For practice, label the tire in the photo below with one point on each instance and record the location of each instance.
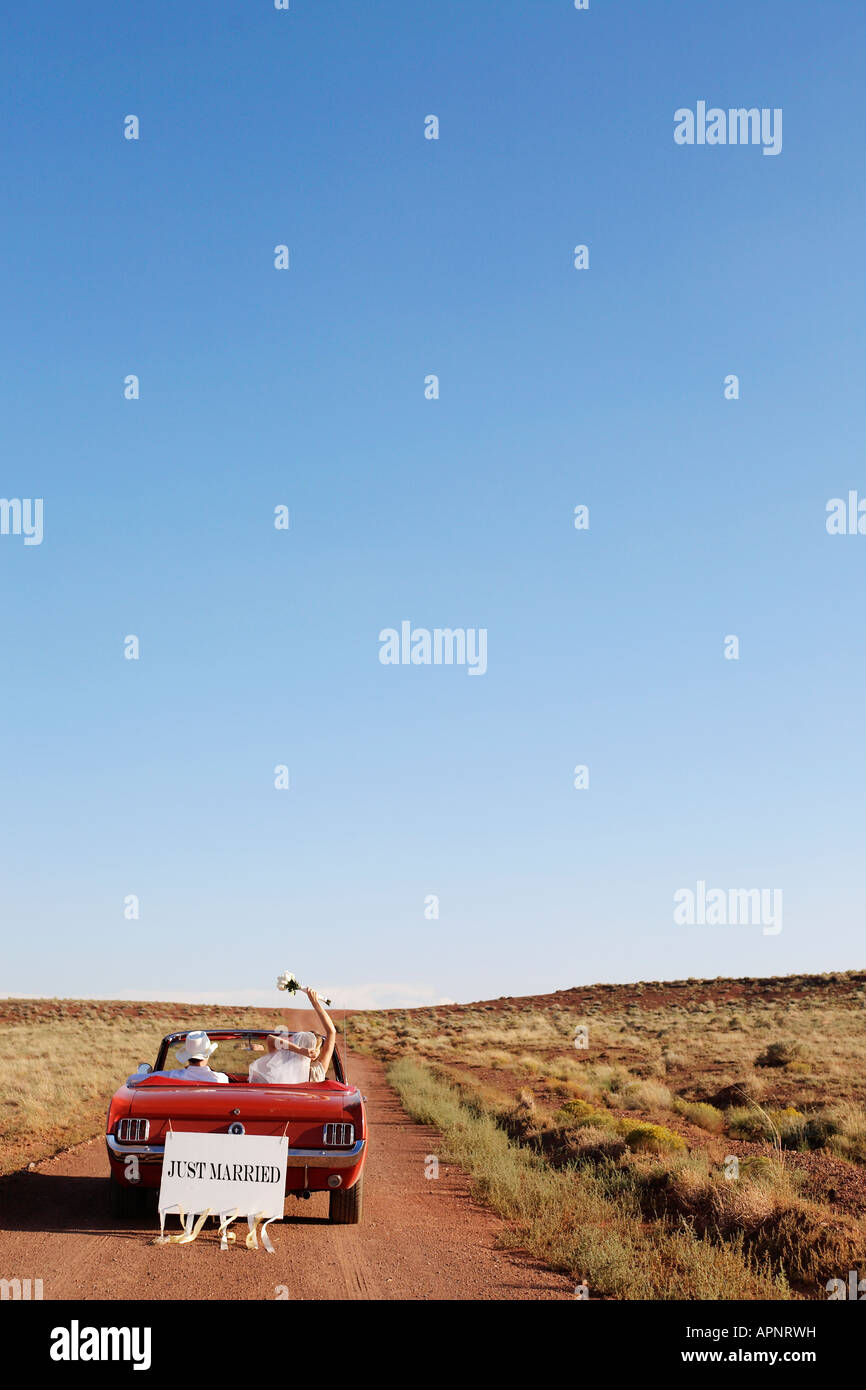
(125, 1201)
(346, 1204)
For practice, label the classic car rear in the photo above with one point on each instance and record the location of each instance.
(324, 1122)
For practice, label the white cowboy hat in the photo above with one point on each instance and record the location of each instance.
(196, 1047)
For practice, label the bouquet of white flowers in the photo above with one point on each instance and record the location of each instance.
(289, 982)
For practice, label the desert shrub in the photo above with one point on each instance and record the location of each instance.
(759, 1168)
(672, 1059)
(644, 1095)
(686, 1190)
(609, 1078)
(780, 1054)
(563, 1068)
(818, 1129)
(579, 1091)
(685, 1186)
(593, 1144)
(737, 1093)
(701, 1114)
(848, 1138)
(529, 1066)
(762, 1211)
(519, 1119)
(580, 1112)
(653, 1139)
(792, 1127)
(853, 1148)
(745, 1122)
(783, 1126)
(498, 1059)
(809, 1246)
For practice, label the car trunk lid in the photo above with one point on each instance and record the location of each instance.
(299, 1111)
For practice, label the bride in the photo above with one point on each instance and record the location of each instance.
(293, 1058)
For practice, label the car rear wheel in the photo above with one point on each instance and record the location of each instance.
(346, 1204)
(125, 1201)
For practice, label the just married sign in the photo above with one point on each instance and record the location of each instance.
(226, 1175)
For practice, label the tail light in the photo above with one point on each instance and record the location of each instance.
(338, 1136)
(132, 1131)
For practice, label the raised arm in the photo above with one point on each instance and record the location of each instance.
(280, 1042)
(327, 1052)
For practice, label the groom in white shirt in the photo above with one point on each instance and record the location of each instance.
(197, 1051)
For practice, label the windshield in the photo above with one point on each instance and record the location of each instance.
(234, 1055)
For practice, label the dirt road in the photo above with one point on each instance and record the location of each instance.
(419, 1239)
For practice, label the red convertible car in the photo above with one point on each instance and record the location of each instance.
(327, 1127)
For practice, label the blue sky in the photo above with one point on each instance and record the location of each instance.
(305, 387)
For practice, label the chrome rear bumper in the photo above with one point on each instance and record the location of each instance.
(297, 1158)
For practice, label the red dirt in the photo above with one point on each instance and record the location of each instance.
(840, 987)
